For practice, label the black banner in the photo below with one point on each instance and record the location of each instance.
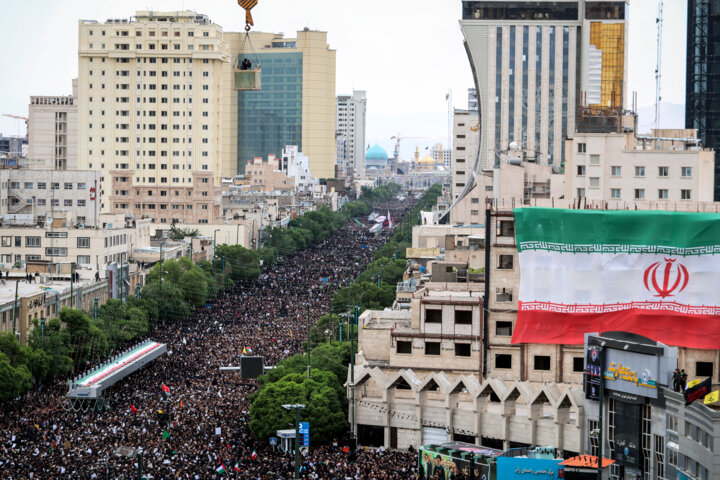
(628, 427)
(697, 392)
(593, 370)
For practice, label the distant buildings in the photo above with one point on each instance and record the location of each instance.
(350, 121)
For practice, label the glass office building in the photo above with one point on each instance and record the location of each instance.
(270, 118)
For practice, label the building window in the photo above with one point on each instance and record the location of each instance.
(594, 182)
(595, 159)
(615, 193)
(684, 194)
(639, 171)
(581, 170)
(68, 186)
(578, 364)
(503, 329)
(703, 369)
(639, 193)
(83, 259)
(662, 194)
(56, 252)
(615, 171)
(581, 193)
(582, 148)
(474, 213)
(503, 295)
(594, 442)
(659, 456)
(18, 241)
(506, 228)
(83, 242)
(503, 360)
(433, 316)
(32, 241)
(505, 262)
(404, 347)
(432, 348)
(662, 171)
(541, 362)
(463, 317)
(68, 202)
(462, 349)
(686, 172)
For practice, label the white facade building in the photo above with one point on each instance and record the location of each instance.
(297, 166)
(351, 112)
(620, 167)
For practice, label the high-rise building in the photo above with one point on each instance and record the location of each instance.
(534, 62)
(52, 132)
(295, 105)
(465, 147)
(472, 100)
(702, 85)
(350, 122)
(442, 155)
(150, 95)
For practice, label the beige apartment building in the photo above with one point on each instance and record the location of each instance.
(466, 141)
(150, 92)
(52, 131)
(664, 168)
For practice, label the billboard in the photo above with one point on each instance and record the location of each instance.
(632, 372)
(519, 468)
(593, 370)
(447, 467)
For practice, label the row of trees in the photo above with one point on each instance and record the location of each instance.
(323, 393)
(67, 344)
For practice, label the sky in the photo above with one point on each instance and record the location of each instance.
(406, 54)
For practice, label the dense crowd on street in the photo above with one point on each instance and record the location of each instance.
(204, 421)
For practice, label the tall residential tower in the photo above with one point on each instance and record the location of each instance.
(149, 115)
(350, 123)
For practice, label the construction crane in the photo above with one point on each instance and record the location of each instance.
(397, 138)
(17, 117)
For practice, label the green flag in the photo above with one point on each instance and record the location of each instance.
(356, 221)
(165, 435)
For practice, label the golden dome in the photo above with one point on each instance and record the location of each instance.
(427, 160)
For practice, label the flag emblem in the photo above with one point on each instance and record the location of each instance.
(678, 276)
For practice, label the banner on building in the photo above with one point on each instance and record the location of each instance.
(653, 273)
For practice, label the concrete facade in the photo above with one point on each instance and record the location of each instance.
(44, 194)
(52, 131)
(466, 141)
(621, 167)
(150, 103)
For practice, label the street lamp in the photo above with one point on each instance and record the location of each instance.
(297, 407)
(215, 236)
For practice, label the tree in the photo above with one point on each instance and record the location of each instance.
(121, 322)
(55, 345)
(14, 381)
(194, 287)
(168, 299)
(87, 342)
(323, 407)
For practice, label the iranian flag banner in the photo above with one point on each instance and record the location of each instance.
(653, 273)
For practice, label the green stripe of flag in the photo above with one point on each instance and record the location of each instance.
(618, 227)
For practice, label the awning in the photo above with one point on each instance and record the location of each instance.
(589, 461)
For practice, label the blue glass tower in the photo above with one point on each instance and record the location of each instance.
(270, 118)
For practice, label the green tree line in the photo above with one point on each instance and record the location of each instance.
(70, 342)
(324, 394)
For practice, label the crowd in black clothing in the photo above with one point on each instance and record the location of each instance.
(207, 409)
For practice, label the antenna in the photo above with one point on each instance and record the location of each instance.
(448, 97)
(658, 68)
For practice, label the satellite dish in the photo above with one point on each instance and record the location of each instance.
(513, 145)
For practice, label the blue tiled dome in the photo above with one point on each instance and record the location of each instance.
(376, 152)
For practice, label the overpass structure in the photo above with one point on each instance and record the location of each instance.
(91, 385)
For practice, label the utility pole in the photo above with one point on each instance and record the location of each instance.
(600, 415)
(307, 327)
(17, 284)
(72, 281)
(296, 407)
(352, 378)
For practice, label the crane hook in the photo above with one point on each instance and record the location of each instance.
(248, 5)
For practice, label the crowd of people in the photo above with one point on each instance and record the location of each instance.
(202, 423)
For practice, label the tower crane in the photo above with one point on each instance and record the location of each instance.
(17, 117)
